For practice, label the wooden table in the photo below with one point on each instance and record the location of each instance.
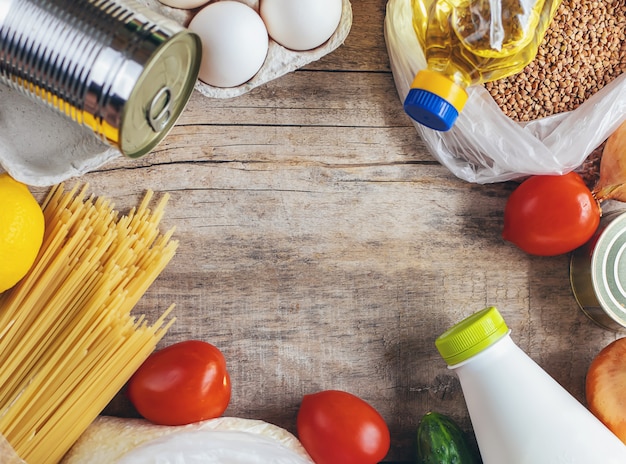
(323, 247)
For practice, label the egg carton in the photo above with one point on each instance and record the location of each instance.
(39, 147)
(279, 61)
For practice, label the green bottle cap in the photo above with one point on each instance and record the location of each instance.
(471, 336)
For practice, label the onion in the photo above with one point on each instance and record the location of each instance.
(612, 182)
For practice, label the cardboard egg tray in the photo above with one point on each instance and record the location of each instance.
(279, 61)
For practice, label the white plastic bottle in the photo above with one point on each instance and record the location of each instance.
(519, 413)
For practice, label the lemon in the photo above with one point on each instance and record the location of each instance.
(21, 231)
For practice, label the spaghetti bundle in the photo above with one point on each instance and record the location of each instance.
(68, 341)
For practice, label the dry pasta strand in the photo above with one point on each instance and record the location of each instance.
(68, 340)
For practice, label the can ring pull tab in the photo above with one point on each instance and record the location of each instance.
(159, 112)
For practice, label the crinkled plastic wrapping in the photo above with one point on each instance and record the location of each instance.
(213, 447)
(485, 145)
(7, 453)
(225, 440)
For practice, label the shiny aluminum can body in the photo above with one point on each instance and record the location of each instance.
(113, 66)
(598, 273)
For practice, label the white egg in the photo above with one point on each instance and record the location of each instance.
(301, 24)
(184, 4)
(234, 43)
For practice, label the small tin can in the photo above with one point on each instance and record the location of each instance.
(116, 67)
(598, 273)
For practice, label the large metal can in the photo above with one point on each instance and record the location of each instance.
(116, 67)
(598, 273)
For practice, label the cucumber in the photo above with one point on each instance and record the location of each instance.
(441, 441)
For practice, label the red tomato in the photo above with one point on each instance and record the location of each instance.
(551, 215)
(183, 383)
(338, 427)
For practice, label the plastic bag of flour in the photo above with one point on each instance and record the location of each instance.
(485, 145)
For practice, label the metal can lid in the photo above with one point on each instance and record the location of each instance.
(160, 94)
(608, 269)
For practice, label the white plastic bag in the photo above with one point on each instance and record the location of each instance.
(485, 145)
(231, 440)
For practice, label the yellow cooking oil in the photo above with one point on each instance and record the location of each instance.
(469, 42)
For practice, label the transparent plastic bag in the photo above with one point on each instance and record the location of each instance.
(7, 453)
(222, 440)
(485, 145)
(213, 447)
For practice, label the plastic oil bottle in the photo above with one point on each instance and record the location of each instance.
(519, 413)
(468, 42)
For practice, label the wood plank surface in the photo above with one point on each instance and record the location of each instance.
(322, 247)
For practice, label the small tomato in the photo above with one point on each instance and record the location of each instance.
(183, 383)
(551, 215)
(338, 427)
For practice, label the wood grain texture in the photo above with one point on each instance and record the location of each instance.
(322, 247)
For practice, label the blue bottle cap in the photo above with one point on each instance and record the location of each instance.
(430, 110)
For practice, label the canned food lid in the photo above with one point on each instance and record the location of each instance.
(608, 269)
(160, 95)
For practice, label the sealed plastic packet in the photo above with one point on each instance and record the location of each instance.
(485, 145)
(7, 453)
